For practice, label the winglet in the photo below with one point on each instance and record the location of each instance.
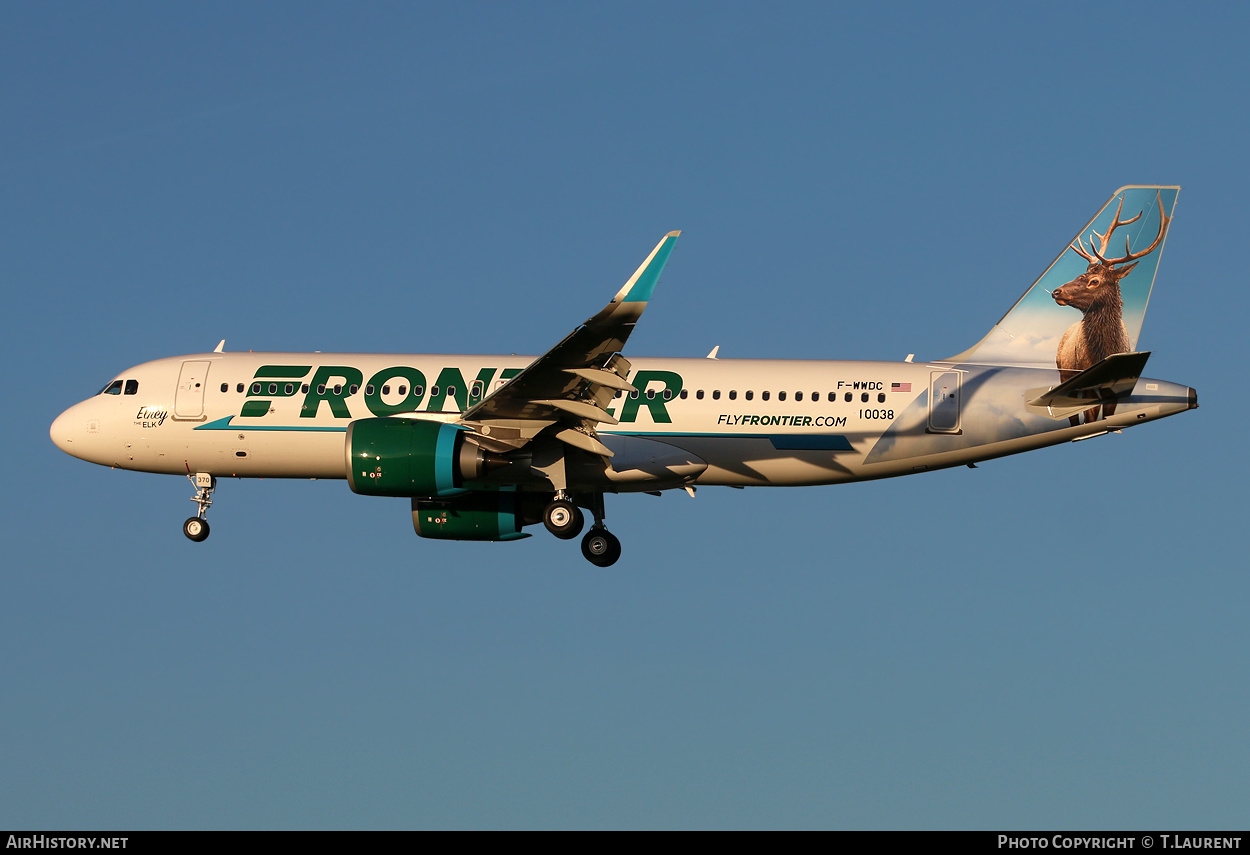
(639, 287)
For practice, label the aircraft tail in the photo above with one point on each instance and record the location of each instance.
(1086, 306)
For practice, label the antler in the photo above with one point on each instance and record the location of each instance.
(1105, 239)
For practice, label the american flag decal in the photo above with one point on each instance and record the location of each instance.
(900, 387)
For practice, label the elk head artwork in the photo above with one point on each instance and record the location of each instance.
(1096, 292)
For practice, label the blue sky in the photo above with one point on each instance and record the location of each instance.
(1051, 640)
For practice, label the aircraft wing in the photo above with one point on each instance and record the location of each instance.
(571, 385)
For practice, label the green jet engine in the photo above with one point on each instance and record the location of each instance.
(412, 457)
(493, 515)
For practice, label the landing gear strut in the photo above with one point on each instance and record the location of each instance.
(600, 546)
(196, 527)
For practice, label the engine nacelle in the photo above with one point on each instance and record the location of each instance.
(494, 515)
(410, 457)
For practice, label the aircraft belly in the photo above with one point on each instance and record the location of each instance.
(756, 461)
(180, 448)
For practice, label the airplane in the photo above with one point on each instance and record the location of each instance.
(484, 446)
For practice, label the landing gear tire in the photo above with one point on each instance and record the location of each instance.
(196, 529)
(601, 547)
(563, 519)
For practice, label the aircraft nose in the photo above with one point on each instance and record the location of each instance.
(60, 432)
(66, 431)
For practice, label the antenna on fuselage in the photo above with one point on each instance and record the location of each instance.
(221, 346)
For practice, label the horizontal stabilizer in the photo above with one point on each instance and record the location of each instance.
(1113, 377)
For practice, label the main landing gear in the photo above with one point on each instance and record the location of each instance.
(196, 528)
(565, 520)
(600, 546)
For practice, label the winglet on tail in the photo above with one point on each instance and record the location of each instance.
(1086, 306)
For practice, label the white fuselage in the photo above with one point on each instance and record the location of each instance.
(751, 422)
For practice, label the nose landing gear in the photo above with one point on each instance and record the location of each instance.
(196, 527)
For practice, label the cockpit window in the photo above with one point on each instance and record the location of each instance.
(114, 388)
(132, 387)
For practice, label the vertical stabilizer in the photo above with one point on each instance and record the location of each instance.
(1090, 302)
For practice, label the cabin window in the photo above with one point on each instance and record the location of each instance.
(225, 387)
(321, 389)
(369, 389)
(881, 397)
(290, 388)
(239, 388)
(716, 394)
(848, 397)
(683, 395)
(433, 391)
(750, 395)
(798, 396)
(338, 388)
(651, 393)
(733, 394)
(353, 389)
(668, 394)
(304, 388)
(273, 388)
(255, 388)
(386, 388)
(781, 396)
(618, 394)
(114, 388)
(633, 394)
(864, 397)
(699, 395)
(764, 395)
(451, 392)
(833, 396)
(476, 391)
